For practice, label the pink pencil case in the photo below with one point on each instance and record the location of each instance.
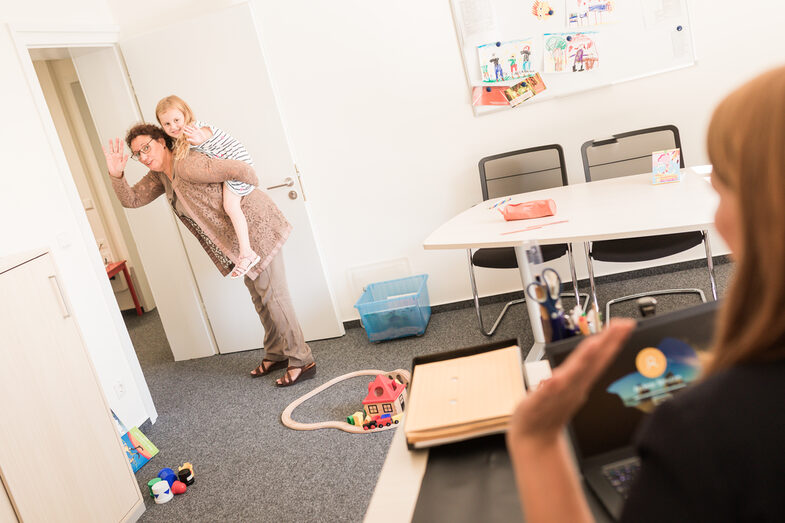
(527, 210)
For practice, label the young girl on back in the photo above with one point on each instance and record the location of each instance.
(178, 121)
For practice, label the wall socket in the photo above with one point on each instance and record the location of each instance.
(119, 389)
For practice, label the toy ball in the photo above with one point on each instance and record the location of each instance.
(162, 492)
(178, 487)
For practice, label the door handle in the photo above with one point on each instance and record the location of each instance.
(287, 182)
(59, 294)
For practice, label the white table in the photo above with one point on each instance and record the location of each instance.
(624, 207)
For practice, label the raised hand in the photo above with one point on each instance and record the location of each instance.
(543, 413)
(115, 158)
(194, 135)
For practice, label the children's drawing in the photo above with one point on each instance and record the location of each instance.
(570, 52)
(542, 10)
(665, 166)
(501, 62)
(590, 12)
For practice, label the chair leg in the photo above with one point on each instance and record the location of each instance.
(573, 275)
(651, 293)
(710, 263)
(593, 288)
(477, 301)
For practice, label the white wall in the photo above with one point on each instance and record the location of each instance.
(375, 101)
(38, 209)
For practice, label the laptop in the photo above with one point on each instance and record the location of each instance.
(658, 361)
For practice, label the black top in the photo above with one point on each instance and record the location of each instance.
(716, 452)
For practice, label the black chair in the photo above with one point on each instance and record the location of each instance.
(513, 173)
(625, 154)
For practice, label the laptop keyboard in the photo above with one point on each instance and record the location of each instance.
(621, 474)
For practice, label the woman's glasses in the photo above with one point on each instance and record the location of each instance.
(145, 149)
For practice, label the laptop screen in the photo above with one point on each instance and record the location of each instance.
(659, 360)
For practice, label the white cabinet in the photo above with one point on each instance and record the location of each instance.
(60, 454)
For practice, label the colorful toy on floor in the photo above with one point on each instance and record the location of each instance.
(186, 476)
(178, 487)
(167, 484)
(355, 419)
(167, 475)
(377, 422)
(383, 405)
(384, 398)
(150, 485)
(186, 465)
(162, 492)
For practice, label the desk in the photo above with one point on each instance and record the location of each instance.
(398, 486)
(115, 267)
(624, 207)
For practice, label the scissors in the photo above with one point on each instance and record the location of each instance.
(546, 292)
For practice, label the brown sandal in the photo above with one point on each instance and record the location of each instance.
(267, 366)
(306, 372)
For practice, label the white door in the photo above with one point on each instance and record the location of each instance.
(216, 64)
(154, 228)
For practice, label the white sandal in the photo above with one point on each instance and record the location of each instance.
(239, 270)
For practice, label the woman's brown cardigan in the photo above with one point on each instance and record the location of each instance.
(198, 185)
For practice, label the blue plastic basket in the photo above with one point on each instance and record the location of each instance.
(396, 308)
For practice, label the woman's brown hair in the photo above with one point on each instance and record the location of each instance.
(147, 129)
(746, 145)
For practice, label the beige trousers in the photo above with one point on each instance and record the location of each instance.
(283, 337)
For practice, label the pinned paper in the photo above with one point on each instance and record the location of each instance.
(478, 18)
(571, 52)
(542, 10)
(582, 13)
(505, 61)
(658, 12)
(490, 95)
(524, 90)
(665, 166)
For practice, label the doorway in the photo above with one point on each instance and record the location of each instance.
(79, 139)
(201, 313)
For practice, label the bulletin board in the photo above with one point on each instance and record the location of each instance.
(519, 52)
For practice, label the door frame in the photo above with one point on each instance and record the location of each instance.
(26, 37)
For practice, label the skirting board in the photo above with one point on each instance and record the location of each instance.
(631, 275)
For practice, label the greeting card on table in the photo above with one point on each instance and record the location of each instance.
(665, 166)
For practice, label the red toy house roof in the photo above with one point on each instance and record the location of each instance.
(383, 390)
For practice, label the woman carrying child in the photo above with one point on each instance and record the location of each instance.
(194, 187)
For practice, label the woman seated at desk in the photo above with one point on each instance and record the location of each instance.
(715, 452)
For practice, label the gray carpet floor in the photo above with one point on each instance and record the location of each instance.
(249, 467)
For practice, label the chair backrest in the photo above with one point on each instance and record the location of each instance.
(523, 170)
(627, 153)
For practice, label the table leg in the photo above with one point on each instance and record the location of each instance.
(131, 288)
(538, 349)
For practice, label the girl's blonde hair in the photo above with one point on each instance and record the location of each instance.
(181, 145)
(746, 145)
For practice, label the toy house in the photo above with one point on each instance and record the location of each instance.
(385, 396)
